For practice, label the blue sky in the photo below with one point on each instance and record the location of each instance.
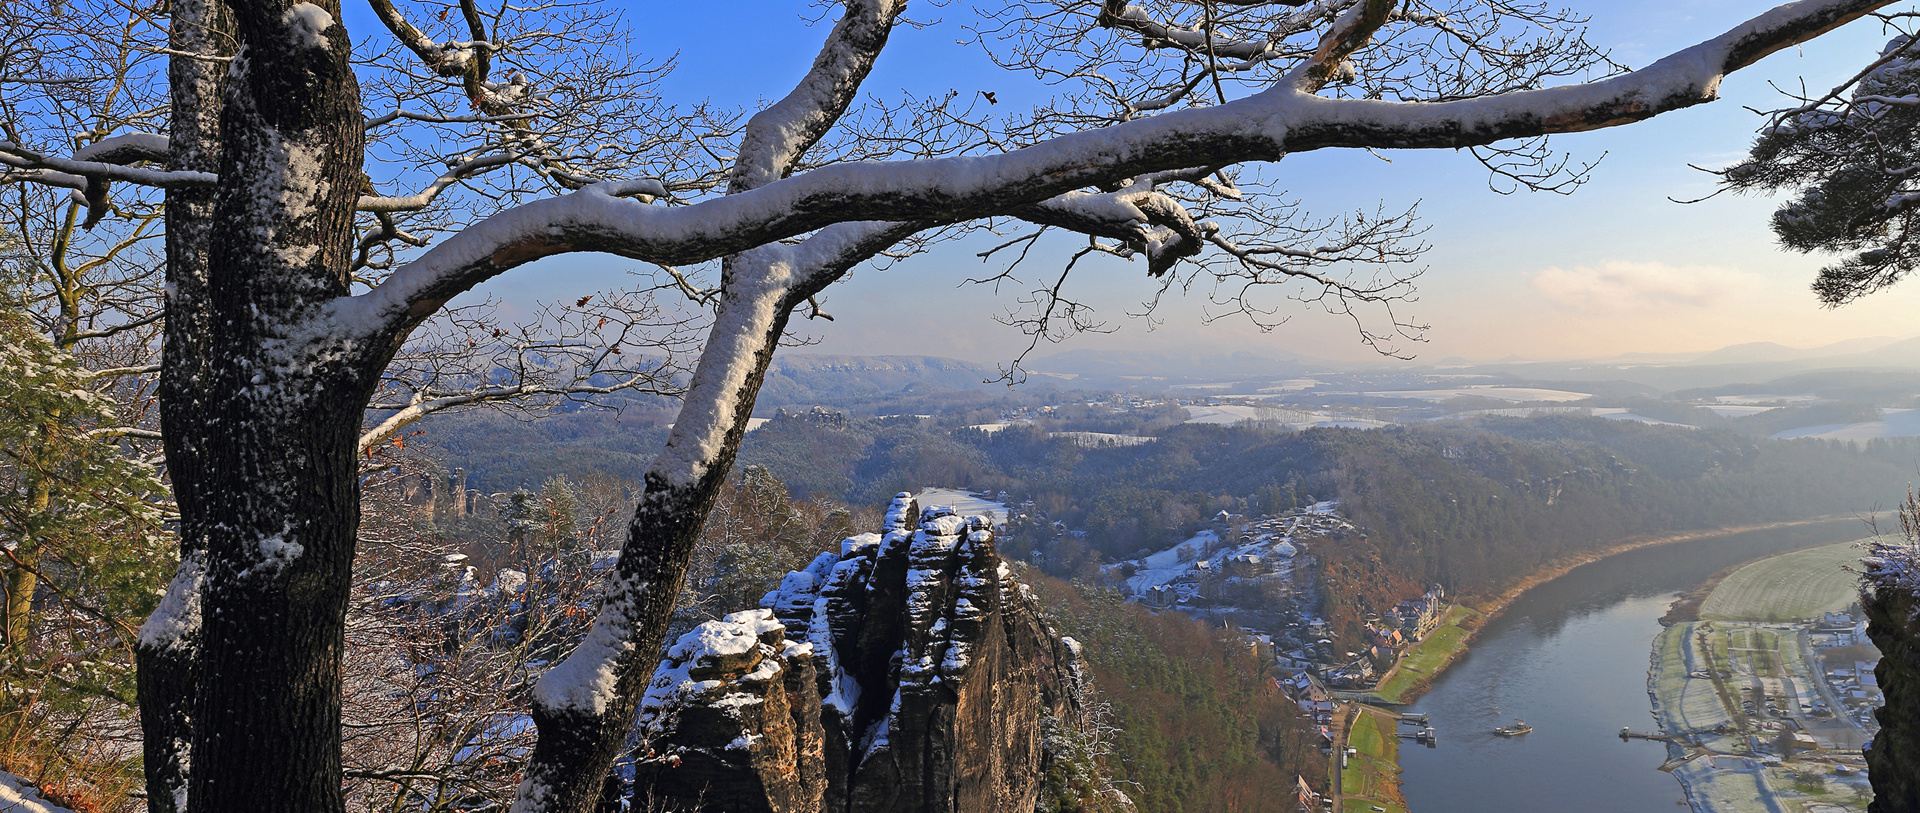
(1615, 267)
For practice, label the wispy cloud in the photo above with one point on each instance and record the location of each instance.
(1617, 287)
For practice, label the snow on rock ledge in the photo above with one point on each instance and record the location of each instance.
(731, 719)
(909, 672)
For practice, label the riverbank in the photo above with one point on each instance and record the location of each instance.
(1427, 659)
(1744, 701)
(1369, 778)
(1396, 690)
(1571, 660)
(1733, 756)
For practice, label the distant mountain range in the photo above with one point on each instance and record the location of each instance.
(1757, 352)
(803, 378)
(1750, 362)
(1740, 363)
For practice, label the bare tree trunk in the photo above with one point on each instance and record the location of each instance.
(267, 482)
(168, 646)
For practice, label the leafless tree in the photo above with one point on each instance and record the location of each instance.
(296, 268)
(434, 707)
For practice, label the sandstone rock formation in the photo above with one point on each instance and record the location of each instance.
(1893, 622)
(739, 700)
(908, 672)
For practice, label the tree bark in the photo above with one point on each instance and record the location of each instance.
(21, 584)
(1893, 762)
(166, 651)
(265, 423)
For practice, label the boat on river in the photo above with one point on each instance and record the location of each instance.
(1519, 727)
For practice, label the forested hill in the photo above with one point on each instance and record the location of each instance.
(806, 379)
(1466, 505)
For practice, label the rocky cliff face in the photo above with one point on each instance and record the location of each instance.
(909, 672)
(1893, 761)
(738, 699)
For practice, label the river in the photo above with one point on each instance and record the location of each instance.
(1570, 658)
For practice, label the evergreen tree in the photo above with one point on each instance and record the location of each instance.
(80, 529)
(1851, 157)
(558, 512)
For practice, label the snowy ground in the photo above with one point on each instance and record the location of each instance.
(1686, 700)
(1893, 423)
(990, 428)
(1096, 439)
(1515, 412)
(16, 796)
(1166, 565)
(1768, 400)
(1274, 545)
(1619, 414)
(1230, 413)
(964, 503)
(1514, 394)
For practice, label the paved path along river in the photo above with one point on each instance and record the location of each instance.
(1570, 658)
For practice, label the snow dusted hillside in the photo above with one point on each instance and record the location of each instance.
(1254, 568)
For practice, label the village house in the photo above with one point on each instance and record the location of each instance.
(1418, 616)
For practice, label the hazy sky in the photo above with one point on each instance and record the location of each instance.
(1615, 267)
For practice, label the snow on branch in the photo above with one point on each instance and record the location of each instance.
(776, 137)
(1264, 126)
(1847, 157)
(425, 197)
(1892, 562)
(18, 157)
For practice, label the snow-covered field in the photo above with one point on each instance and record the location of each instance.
(1893, 423)
(1773, 400)
(1736, 411)
(1514, 394)
(1619, 414)
(1103, 438)
(1229, 413)
(1515, 412)
(1166, 565)
(964, 503)
(1235, 413)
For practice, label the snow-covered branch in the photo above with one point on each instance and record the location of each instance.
(425, 197)
(1349, 34)
(123, 432)
(776, 137)
(1265, 126)
(406, 414)
(19, 157)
